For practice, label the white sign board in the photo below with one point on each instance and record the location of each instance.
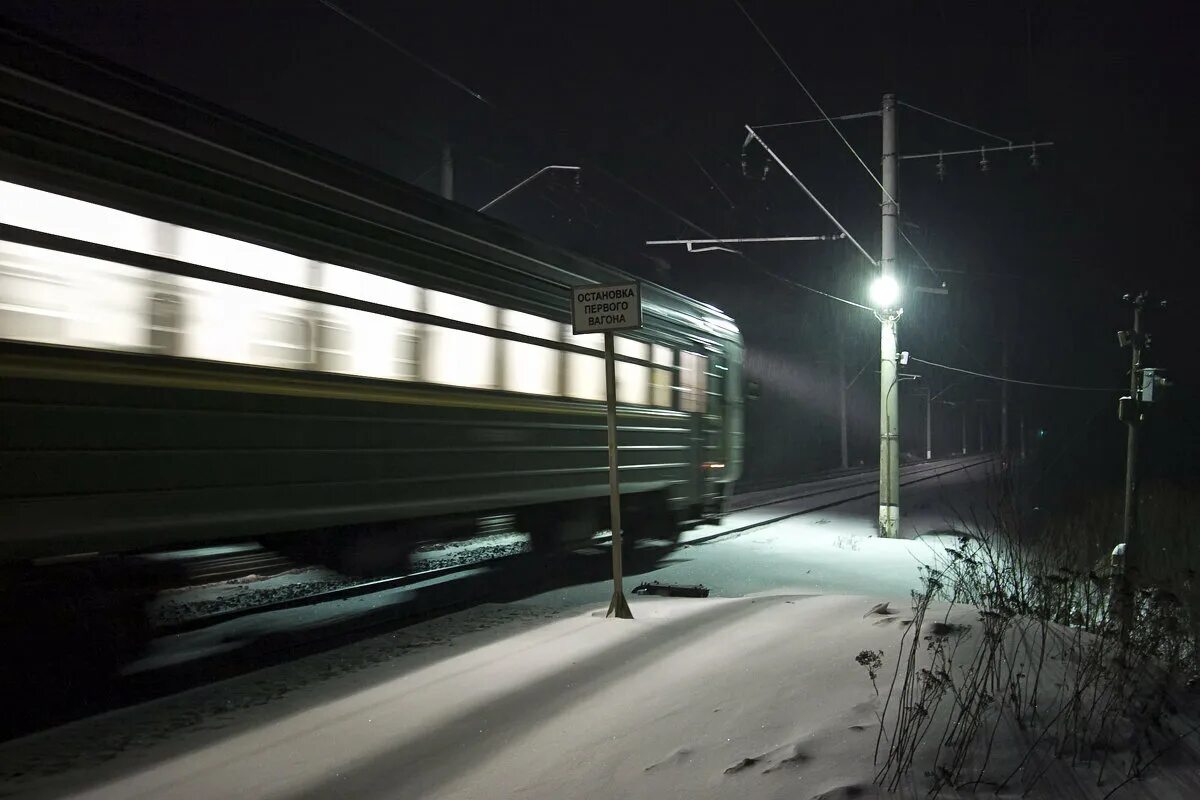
(609, 307)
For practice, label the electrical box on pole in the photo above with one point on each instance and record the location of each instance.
(1152, 382)
(604, 309)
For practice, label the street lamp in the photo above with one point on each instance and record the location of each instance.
(885, 293)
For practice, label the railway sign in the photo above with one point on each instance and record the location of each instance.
(604, 309)
(610, 307)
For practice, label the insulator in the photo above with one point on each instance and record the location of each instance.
(983, 160)
(941, 167)
(1034, 161)
(746, 168)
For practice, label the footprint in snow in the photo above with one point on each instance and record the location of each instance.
(743, 764)
(678, 756)
(795, 758)
(881, 609)
(847, 792)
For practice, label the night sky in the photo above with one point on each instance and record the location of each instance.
(650, 98)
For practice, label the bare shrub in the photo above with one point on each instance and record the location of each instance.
(1045, 663)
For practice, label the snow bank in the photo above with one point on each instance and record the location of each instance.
(755, 697)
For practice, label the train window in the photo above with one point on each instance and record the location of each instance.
(110, 305)
(166, 323)
(633, 380)
(662, 380)
(529, 368)
(229, 323)
(282, 340)
(59, 298)
(455, 357)
(406, 355)
(32, 295)
(334, 343)
(692, 382)
(362, 343)
(585, 374)
(378, 346)
(65, 216)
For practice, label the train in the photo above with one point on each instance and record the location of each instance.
(211, 331)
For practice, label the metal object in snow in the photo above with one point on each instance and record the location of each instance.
(672, 590)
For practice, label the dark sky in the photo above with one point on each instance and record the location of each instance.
(650, 98)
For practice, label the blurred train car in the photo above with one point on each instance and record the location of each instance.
(210, 331)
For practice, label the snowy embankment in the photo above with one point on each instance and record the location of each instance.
(754, 697)
(752, 693)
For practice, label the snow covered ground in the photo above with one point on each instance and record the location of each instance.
(750, 693)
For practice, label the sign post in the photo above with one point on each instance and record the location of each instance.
(604, 309)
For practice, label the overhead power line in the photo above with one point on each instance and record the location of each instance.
(827, 118)
(920, 255)
(812, 196)
(1014, 380)
(712, 181)
(806, 287)
(859, 115)
(955, 122)
(765, 270)
(341, 12)
(592, 166)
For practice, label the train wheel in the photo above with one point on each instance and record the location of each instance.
(558, 527)
(649, 516)
(370, 550)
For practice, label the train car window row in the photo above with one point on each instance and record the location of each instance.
(52, 297)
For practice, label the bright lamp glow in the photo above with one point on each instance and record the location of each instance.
(885, 292)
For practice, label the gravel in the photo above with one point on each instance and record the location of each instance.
(187, 603)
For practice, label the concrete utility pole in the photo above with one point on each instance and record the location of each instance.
(964, 427)
(1004, 397)
(447, 172)
(842, 391)
(981, 430)
(928, 425)
(1144, 383)
(1131, 415)
(885, 290)
(889, 397)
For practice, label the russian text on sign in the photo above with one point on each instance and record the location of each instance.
(596, 309)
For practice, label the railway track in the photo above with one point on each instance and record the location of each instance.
(218, 568)
(235, 562)
(366, 587)
(206, 654)
(245, 561)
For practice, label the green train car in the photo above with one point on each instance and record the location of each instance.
(210, 331)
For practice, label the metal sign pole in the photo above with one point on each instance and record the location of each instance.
(617, 607)
(604, 309)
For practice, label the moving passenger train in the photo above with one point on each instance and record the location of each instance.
(210, 331)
